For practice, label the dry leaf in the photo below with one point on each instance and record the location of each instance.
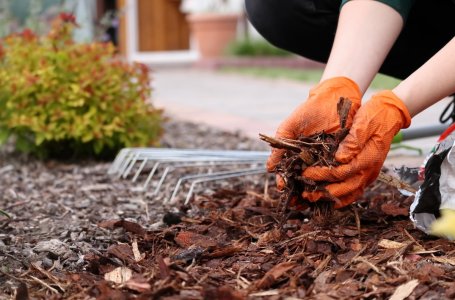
(388, 244)
(119, 275)
(404, 290)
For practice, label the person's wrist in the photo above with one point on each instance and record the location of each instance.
(388, 97)
(405, 94)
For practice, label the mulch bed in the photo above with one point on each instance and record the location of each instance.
(75, 232)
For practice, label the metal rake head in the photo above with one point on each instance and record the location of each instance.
(230, 163)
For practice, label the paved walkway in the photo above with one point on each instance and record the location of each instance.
(251, 105)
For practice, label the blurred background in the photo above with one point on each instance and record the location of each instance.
(149, 31)
(208, 64)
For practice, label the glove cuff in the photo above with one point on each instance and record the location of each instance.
(389, 97)
(343, 86)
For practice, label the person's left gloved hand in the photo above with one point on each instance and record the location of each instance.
(363, 151)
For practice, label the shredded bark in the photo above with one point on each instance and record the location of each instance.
(76, 233)
(315, 150)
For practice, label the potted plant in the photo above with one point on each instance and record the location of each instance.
(213, 23)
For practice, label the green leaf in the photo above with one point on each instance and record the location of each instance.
(4, 213)
(69, 99)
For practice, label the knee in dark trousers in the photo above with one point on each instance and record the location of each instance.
(304, 27)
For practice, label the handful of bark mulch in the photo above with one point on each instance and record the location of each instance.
(315, 150)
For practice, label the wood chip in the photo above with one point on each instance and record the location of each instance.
(404, 290)
(137, 254)
(22, 292)
(96, 187)
(119, 275)
(138, 286)
(388, 244)
(274, 273)
(396, 182)
(444, 260)
(265, 293)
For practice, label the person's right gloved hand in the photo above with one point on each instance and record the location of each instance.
(316, 114)
(363, 151)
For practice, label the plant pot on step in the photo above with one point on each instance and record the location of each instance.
(213, 32)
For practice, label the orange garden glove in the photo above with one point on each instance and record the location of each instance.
(363, 151)
(316, 114)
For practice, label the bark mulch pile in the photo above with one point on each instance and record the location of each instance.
(78, 234)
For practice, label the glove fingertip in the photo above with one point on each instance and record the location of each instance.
(274, 159)
(347, 150)
(315, 173)
(346, 194)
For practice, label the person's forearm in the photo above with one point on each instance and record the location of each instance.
(366, 32)
(431, 82)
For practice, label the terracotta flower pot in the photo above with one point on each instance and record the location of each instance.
(213, 32)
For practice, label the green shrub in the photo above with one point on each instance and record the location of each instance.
(61, 99)
(251, 47)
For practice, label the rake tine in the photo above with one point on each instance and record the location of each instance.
(138, 172)
(196, 176)
(171, 159)
(227, 176)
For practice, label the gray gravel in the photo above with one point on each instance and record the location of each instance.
(55, 206)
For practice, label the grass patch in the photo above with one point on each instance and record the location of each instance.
(254, 47)
(380, 82)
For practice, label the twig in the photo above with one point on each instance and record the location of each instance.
(48, 275)
(321, 266)
(9, 275)
(45, 284)
(300, 237)
(355, 257)
(413, 239)
(278, 143)
(371, 265)
(395, 182)
(402, 250)
(303, 143)
(15, 205)
(343, 108)
(357, 220)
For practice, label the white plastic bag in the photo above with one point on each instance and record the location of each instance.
(438, 188)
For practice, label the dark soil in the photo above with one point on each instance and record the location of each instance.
(75, 231)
